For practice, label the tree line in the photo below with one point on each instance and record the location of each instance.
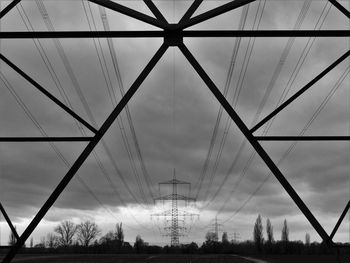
(68, 237)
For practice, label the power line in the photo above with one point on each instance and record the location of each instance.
(267, 93)
(78, 90)
(292, 146)
(113, 98)
(67, 101)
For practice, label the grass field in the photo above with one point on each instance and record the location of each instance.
(129, 258)
(305, 259)
(174, 259)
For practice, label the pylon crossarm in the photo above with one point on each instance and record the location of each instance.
(258, 148)
(131, 13)
(172, 196)
(85, 154)
(340, 7)
(8, 220)
(9, 8)
(301, 91)
(341, 218)
(47, 94)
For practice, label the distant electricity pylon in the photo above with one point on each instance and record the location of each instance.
(174, 215)
(215, 228)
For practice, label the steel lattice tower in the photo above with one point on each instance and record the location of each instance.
(175, 230)
(173, 35)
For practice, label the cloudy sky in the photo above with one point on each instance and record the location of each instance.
(172, 117)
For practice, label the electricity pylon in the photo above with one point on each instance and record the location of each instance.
(215, 228)
(175, 215)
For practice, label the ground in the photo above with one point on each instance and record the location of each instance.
(176, 259)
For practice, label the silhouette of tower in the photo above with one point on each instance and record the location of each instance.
(215, 228)
(175, 215)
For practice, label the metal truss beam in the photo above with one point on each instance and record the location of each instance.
(213, 13)
(194, 6)
(254, 142)
(155, 10)
(46, 139)
(300, 92)
(186, 33)
(131, 13)
(9, 8)
(13, 229)
(341, 218)
(47, 94)
(173, 35)
(340, 8)
(85, 154)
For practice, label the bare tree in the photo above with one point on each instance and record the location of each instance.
(139, 244)
(52, 240)
(86, 232)
(307, 239)
(12, 238)
(258, 234)
(210, 237)
(119, 233)
(224, 238)
(66, 231)
(269, 231)
(285, 232)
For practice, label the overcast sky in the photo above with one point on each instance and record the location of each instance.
(173, 115)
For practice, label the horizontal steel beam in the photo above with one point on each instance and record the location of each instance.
(302, 138)
(45, 139)
(186, 33)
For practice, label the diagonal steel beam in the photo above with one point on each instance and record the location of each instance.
(300, 92)
(341, 218)
(131, 13)
(256, 145)
(9, 8)
(214, 12)
(340, 7)
(13, 229)
(154, 9)
(47, 94)
(85, 154)
(190, 11)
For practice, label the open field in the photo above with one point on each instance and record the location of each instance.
(305, 259)
(175, 259)
(129, 258)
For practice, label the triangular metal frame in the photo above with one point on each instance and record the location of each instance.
(173, 35)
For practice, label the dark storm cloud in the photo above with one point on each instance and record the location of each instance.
(174, 132)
